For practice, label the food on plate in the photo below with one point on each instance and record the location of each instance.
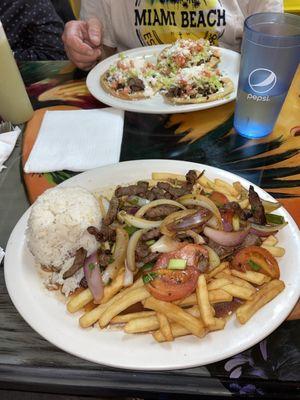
(57, 234)
(173, 255)
(196, 85)
(186, 53)
(185, 73)
(131, 79)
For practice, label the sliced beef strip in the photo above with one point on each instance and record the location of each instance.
(152, 234)
(174, 91)
(236, 208)
(136, 84)
(79, 260)
(222, 251)
(104, 234)
(83, 283)
(175, 192)
(251, 240)
(151, 258)
(141, 251)
(257, 209)
(203, 263)
(156, 193)
(191, 177)
(112, 211)
(140, 188)
(156, 213)
(104, 258)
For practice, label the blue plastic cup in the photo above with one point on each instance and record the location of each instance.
(270, 57)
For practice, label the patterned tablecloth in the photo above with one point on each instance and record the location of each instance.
(273, 163)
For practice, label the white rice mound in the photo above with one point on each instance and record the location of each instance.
(58, 222)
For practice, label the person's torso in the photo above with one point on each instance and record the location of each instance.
(150, 22)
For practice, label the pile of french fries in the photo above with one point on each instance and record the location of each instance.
(195, 314)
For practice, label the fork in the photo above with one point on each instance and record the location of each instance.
(6, 127)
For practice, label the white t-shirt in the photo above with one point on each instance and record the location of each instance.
(134, 23)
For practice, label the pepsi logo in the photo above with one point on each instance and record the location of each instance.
(262, 80)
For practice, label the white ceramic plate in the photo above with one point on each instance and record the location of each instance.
(48, 316)
(229, 66)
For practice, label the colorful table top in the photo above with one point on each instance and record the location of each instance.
(272, 367)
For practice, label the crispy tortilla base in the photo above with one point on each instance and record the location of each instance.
(228, 88)
(119, 95)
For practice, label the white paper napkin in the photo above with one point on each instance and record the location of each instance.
(77, 140)
(7, 143)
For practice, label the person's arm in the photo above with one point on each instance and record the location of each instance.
(257, 6)
(40, 34)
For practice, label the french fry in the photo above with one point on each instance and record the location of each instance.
(218, 283)
(115, 286)
(177, 331)
(267, 292)
(251, 276)
(159, 176)
(219, 324)
(276, 251)
(236, 280)
(139, 325)
(165, 327)
(79, 301)
(238, 291)
(203, 302)
(219, 296)
(124, 318)
(219, 268)
(244, 203)
(132, 297)
(204, 181)
(226, 187)
(176, 314)
(194, 311)
(270, 241)
(190, 300)
(93, 316)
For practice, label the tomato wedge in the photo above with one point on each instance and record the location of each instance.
(171, 285)
(218, 198)
(255, 258)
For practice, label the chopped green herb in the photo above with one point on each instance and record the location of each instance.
(254, 265)
(177, 263)
(91, 266)
(111, 260)
(150, 242)
(274, 219)
(150, 276)
(130, 229)
(147, 267)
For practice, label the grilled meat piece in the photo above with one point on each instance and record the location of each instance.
(139, 189)
(156, 193)
(104, 258)
(152, 234)
(102, 235)
(141, 251)
(222, 251)
(174, 91)
(136, 84)
(151, 258)
(257, 209)
(79, 260)
(236, 208)
(175, 192)
(251, 240)
(155, 213)
(112, 211)
(191, 177)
